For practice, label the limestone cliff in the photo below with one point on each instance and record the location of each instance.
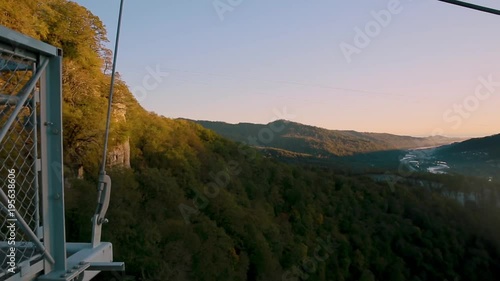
(119, 150)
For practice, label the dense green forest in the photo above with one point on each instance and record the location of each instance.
(196, 206)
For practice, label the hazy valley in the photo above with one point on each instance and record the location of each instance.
(212, 201)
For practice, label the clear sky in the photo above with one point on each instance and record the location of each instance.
(415, 70)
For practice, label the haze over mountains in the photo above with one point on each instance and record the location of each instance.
(298, 143)
(190, 204)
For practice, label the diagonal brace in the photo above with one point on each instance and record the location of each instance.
(22, 98)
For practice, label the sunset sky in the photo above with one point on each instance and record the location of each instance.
(423, 70)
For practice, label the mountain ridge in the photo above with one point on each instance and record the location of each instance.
(193, 205)
(316, 141)
(477, 156)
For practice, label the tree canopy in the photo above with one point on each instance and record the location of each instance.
(196, 206)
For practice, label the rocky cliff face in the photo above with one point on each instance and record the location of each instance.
(119, 154)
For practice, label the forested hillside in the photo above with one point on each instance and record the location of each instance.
(196, 206)
(318, 142)
(486, 148)
(477, 157)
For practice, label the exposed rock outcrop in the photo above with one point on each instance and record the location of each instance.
(119, 154)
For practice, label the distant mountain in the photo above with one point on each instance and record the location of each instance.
(295, 139)
(479, 156)
(477, 148)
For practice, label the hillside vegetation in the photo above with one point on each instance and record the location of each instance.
(476, 157)
(196, 206)
(488, 147)
(317, 142)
